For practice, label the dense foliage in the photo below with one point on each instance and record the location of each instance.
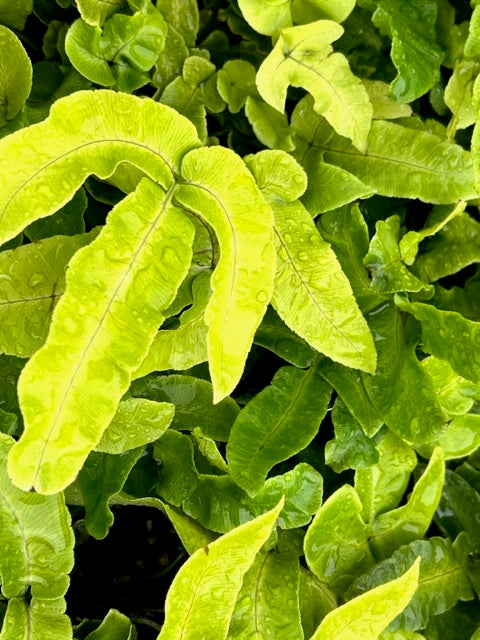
(239, 304)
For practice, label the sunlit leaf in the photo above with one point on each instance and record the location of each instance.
(15, 74)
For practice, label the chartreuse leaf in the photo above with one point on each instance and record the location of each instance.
(410, 522)
(382, 485)
(461, 438)
(336, 544)
(459, 95)
(276, 15)
(115, 626)
(120, 54)
(417, 57)
(33, 281)
(384, 107)
(100, 333)
(351, 448)
(401, 390)
(367, 615)
(79, 144)
(185, 346)
(312, 295)
(37, 543)
(101, 477)
(14, 14)
(270, 126)
(472, 45)
(454, 247)
(442, 583)
(456, 395)
(302, 57)
(235, 82)
(265, 431)
(268, 605)
(437, 219)
(42, 619)
(95, 12)
(384, 261)
(202, 596)
(136, 423)
(193, 400)
(407, 163)
(449, 336)
(15, 74)
(221, 190)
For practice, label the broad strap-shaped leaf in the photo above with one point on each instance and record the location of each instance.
(302, 57)
(316, 600)
(352, 390)
(276, 15)
(443, 579)
(190, 532)
(14, 14)
(38, 620)
(401, 390)
(185, 346)
(351, 448)
(220, 189)
(452, 249)
(367, 615)
(195, 90)
(382, 485)
(336, 544)
(415, 53)
(266, 430)
(101, 477)
(410, 522)
(202, 597)
(115, 626)
(45, 176)
(15, 75)
(95, 12)
(438, 218)
(36, 538)
(101, 331)
(312, 295)
(347, 232)
(193, 400)
(407, 163)
(268, 600)
(449, 336)
(384, 261)
(136, 423)
(121, 53)
(30, 291)
(273, 334)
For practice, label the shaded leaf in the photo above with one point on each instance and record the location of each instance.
(315, 599)
(270, 126)
(14, 13)
(265, 431)
(193, 400)
(115, 626)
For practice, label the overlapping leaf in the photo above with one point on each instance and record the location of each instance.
(100, 333)
(15, 75)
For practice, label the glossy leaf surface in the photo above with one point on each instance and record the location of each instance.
(15, 75)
